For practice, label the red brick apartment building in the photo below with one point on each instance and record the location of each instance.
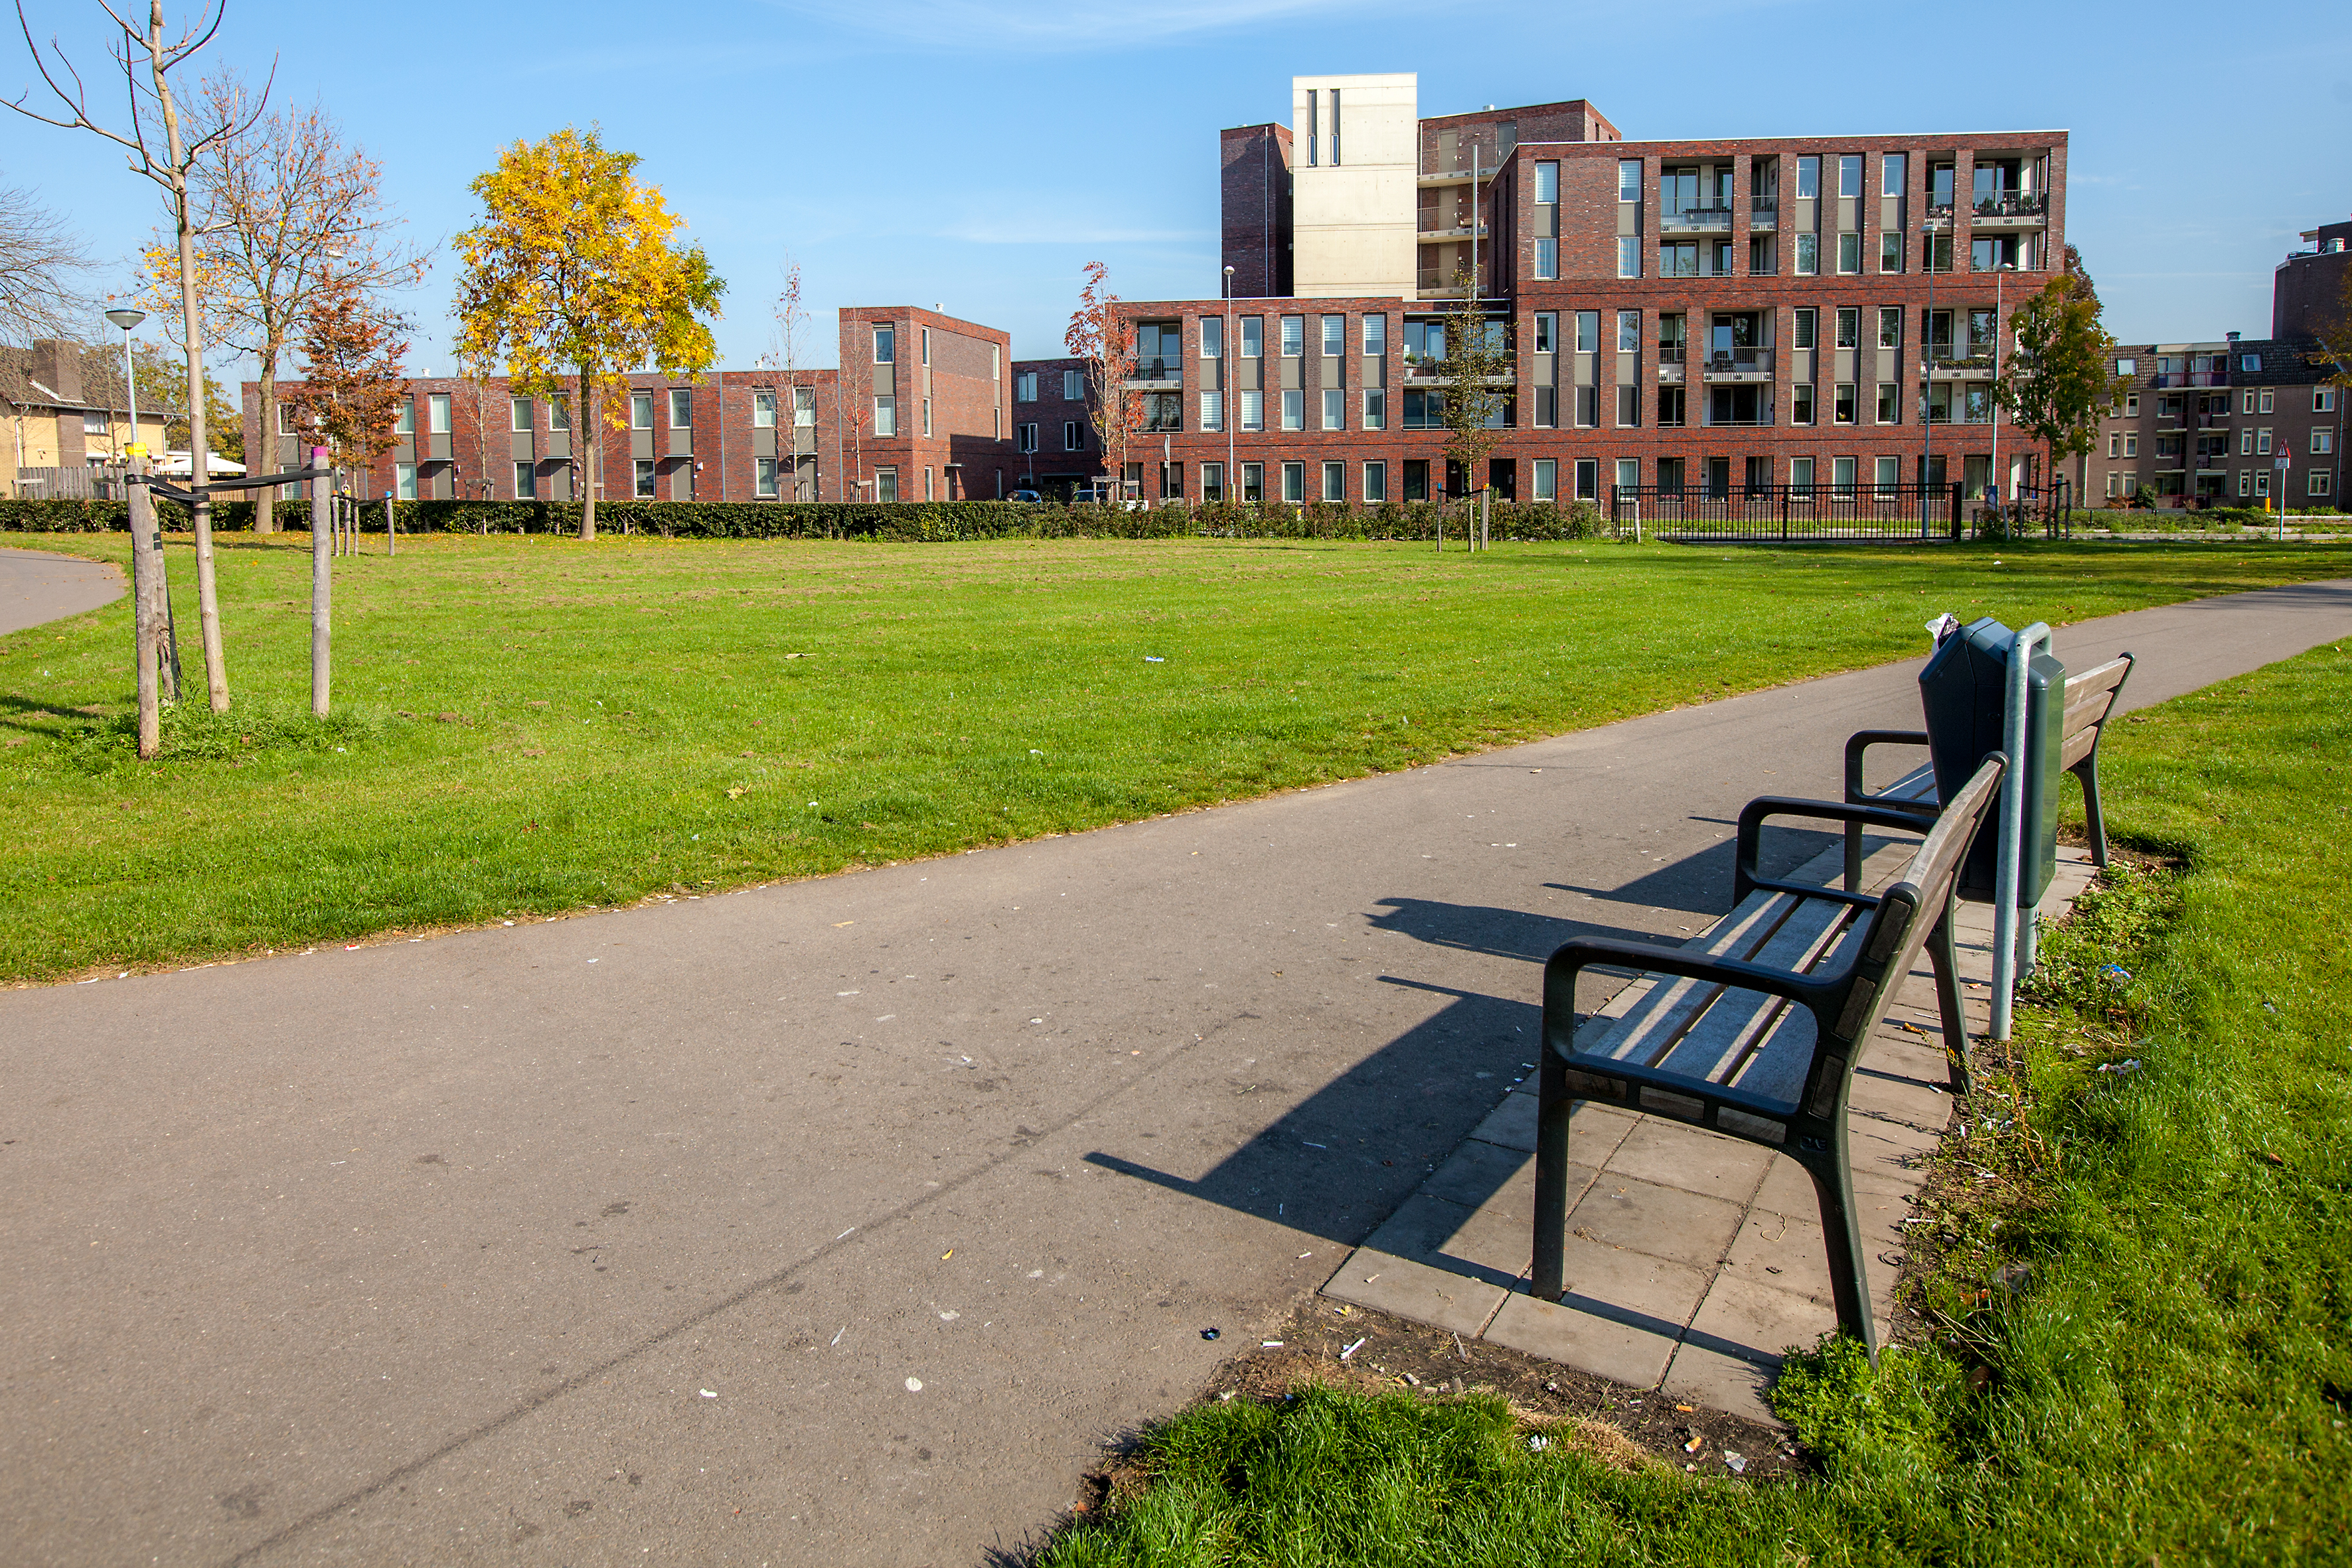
(1703, 314)
(1708, 315)
(917, 413)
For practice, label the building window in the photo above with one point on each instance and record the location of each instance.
(1890, 173)
(1849, 257)
(2263, 405)
(2318, 482)
(1253, 337)
(1025, 438)
(1025, 387)
(1213, 411)
(404, 481)
(1801, 475)
(1889, 473)
(1890, 402)
(763, 478)
(1800, 334)
(1547, 263)
(1163, 411)
(1074, 386)
(641, 411)
(519, 415)
(1376, 408)
(1547, 408)
(1628, 255)
(644, 489)
(2126, 367)
(2131, 445)
(1212, 482)
(526, 479)
(1587, 407)
(929, 494)
(1990, 255)
(2114, 446)
(95, 424)
(1890, 326)
(1335, 336)
(1335, 408)
(1671, 407)
(1252, 482)
(1842, 403)
(1849, 175)
(1629, 473)
(1293, 408)
(1588, 332)
(1890, 252)
(2322, 443)
(1546, 332)
(2323, 400)
(1074, 436)
(886, 352)
(763, 410)
(1679, 261)
(1629, 406)
(1376, 483)
(436, 411)
(927, 358)
(1546, 479)
(1294, 336)
(1809, 178)
(2262, 442)
(1547, 184)
(2262, 482)
(1253, 409)
(681, 408)
(1335, 482)
(1801, 403)
(1842, 475)
(927, 416)
(1293, 482)
(1629, 180)
(1588, 478)
(885, 484)
(1808, 255)
(2246, 442)
(886, 417)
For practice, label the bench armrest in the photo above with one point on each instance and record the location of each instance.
(1751, 824)
(1571, 958)
(1861, 740)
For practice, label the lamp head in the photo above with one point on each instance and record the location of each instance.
(126, 318)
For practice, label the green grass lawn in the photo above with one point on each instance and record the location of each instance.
(525, 724)
(2148, 1360)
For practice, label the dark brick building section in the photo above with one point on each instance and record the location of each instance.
(2308, 291)
(1053, 432)
(1255, 191)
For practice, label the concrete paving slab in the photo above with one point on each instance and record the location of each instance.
(1689, 1158)
(1388, 1283)
(1663, 1222)
(1476, 1172)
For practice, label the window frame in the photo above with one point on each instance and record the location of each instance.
(681, 408)
(1293, 339)
(885, 348)
(1335, 482)
(1375, 482)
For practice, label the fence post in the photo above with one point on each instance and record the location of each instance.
(1955, 513)
(390, 533)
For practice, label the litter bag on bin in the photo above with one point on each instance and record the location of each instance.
(1964, 691)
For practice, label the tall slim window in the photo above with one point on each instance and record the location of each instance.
(1025, 438)
(804, 407)
(1808, 255)
(1547, 184)
(1890, 402)
(1335, 127)
(403, 418)
(1546, 257)
(1890, 326)
(641, 411)
(1842, 475)
(1588, 332)
(927, 416)
(1809, 178)
(1801, 403)
(526, 482)
(763, 410)
(558, 414)
(1546, 480)
(1335, 408)
(1074, 386)
(1293, 408)
(645, 479)
(1074, 436)
(763, 478)
(1801, 475)
(1889, 475)
(1314, 118)
(1213, 411)
(1376, 408)
(1890, 252)
(681, 408)
(1849, 257)
(1376, 333)
(1025, 387)
(519, 416)
(1628, 255)
(437, 410)
(1212, 337)
(1253, 409)
(1253, 337)
(886, 417)
(1841, 405)
(1335, 482)
(1293, 482)
(1294, 336)
(927, 358)
(885, 484)
(1890, 173)
(1629, 181)
(1629, 406)
(886, 352)
(1849, 327)
(1629, 473)
(1800, 334)
(1546, 332)
(1849, 175)
(1629, 332)
(404, 481)
(1376, 483)
(1212, 482)
(1335, 336)
(1253, 481)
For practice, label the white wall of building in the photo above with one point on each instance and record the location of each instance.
(1352, 217)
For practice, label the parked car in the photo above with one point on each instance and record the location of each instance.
(1027, 497)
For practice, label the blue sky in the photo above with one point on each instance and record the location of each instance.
(976, 153)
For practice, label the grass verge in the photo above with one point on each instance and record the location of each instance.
(529, 725)
(2140, 1343)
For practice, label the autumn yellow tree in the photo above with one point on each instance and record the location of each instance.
(292, 220)
(573, 265)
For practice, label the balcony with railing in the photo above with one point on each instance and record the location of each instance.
(2190, 378)
(1435, 283)
(1948, 360)
(2009, 209)
(1763, 212)
(1670, 363)
(1157, 372)
(1421, 370)
(1737, 364)
(1696, 220)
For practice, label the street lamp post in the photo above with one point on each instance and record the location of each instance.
(126, 318)
(1228, 408)
(1927, 385)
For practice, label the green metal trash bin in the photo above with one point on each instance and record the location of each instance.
(1964, 691)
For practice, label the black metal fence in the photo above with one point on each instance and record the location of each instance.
(1789, 511)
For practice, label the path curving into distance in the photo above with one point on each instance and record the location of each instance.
(37, 587)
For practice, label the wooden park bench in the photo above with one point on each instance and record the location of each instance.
(1753, 1028)
(2090, 699)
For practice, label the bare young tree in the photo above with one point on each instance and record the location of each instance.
(288, 215)
(152, 57)
(792, 320)
(853, 404)
(1101, 336)
(43, 267)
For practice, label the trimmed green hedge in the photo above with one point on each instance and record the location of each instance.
(912, 522)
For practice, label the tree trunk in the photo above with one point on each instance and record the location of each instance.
(585, 429)
(322, 576)
(145, 641)
(199, 464)
(265, 460)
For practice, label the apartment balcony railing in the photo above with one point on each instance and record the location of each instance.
(1437, 236)
(1737, 364)
(1157, 368)
(1947, 361)
(1697, 219)
(2008, 204)
(2191, 378)
(1763, 212)
(1939, 211)
(1421, 370)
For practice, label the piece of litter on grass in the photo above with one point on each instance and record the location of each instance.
(1270, 1345)
(710, 1394)
(1211, 1333)
(1153, 658)
(1695, 1444)
(1352, 1349)
(1369, 1277)
(1683, 1409)
(1738, 1463)
(948, 1254)
(1538, 1443)
(914, 1385)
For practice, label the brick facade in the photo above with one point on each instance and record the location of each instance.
(1254, 185)
(2308, 291)
(2206, 423)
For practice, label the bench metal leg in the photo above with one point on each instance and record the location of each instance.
(1853, 857)
(1849, 1281)
(1553, 1106)
(2087, 771)
(1945, 962)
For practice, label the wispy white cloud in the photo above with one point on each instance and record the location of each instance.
(1061, 27)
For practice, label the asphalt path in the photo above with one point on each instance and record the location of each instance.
(37, 587)
(831, 1222)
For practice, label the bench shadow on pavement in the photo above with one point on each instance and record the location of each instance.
(1339, 1162)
